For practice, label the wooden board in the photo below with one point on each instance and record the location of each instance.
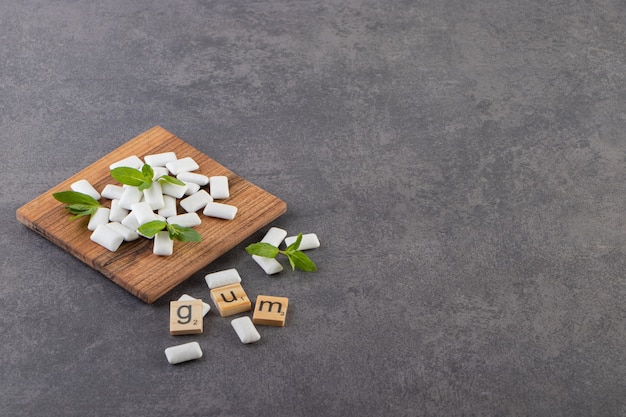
(133, 266)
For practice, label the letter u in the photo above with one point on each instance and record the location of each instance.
(231, 300)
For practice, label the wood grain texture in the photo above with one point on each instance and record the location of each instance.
(133, 266)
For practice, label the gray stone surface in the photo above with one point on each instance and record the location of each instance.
(463, 163)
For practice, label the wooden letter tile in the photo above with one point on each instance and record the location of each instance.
(230, 299)
(186, 317)
(270, 311)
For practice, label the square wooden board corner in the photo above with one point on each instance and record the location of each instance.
(133, 266)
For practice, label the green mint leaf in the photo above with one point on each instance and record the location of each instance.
(295, 245)
(145, 185)
(147, 172)
(78, 204)
(262, 249)
(299, 260)
(170, 179)
(74, 197)
(183, 233)
(79, 210)
(128, 176)
(152, 228)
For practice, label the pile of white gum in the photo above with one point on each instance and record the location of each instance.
(131, 207)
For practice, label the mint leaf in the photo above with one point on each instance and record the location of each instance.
(183, 233)
(262, 249)
(74, 197)
(78, 204)
(170, 179)
(147, 172)
(295, 245)
(145, 185)
(152, 228)
(79, 210)
(128, 176)
(299, 260)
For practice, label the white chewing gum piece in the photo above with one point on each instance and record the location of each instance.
(159, 159)
(154, 196)
(186, 164)
(274, 236)
(219, 187)
(163, 245)
(185, 220)
(220, 211)
(85, 187)
(143, 212)
(130, 196)
(270, 265)
(128, 234)
(193, 177)
(112, 191)
(132, 161)
(101, 216)
(169, 207)
(222, 278)
(117, 212)
(245, 330)
(174, 190)
(183, 353)
(309, 241)
(106, 237)
(196, 201)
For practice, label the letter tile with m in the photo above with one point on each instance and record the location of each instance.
(270, 310)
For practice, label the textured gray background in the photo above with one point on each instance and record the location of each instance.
(462, 162)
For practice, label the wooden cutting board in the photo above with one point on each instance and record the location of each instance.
(133, 266)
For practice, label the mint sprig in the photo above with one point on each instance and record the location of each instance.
(78, 204)
(141, 179)
(297, 258)
(180, 233)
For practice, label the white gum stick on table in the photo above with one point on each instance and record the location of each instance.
(193, 177)
(160, 159)
(117, 213)
(143, 212)
(112, 191)
(158, 172)
(220, 211)
(174, 190)
(128, 234)
(85, 187)
(185, 220)
(186, 164)
(192, 187)
(154, 196)
(196, 201)
(245, 329)
(309, 241)
(274, 236)
(219, 187)
(106, 237)
(183, 353)
(222, 278)
(132, 161)
(101, 216)
(169, 207)
(130, 196)
(130, 221)
(163, 245)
